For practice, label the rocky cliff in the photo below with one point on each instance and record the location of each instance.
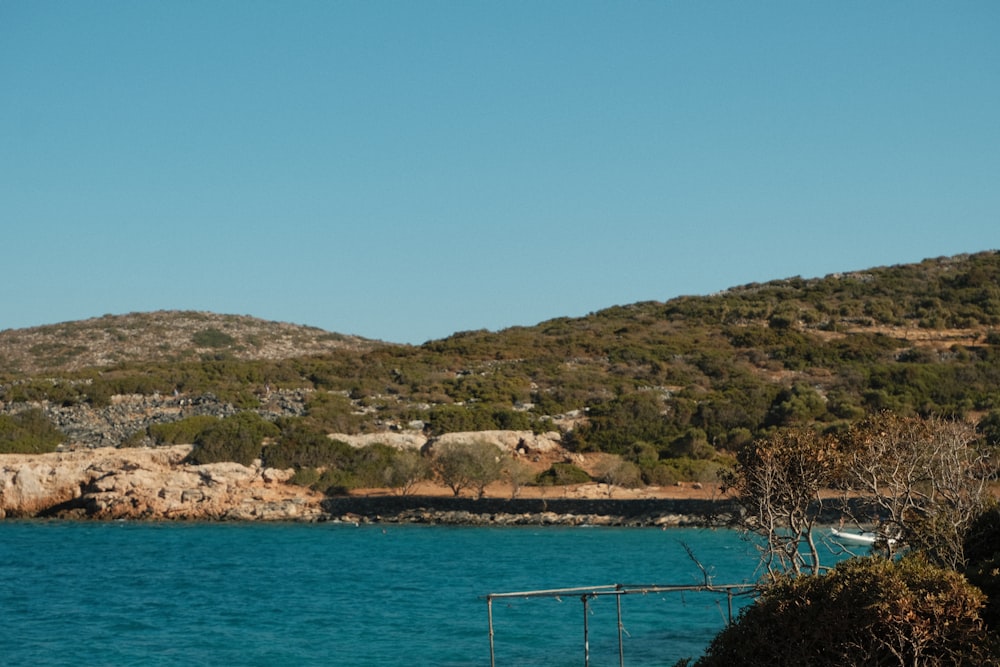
(146, 483)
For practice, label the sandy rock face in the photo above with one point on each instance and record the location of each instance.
(509, 441)
(148, 484)
(512, 442)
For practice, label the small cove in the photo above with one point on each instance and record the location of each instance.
(323, 594)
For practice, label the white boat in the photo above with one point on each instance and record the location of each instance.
(864, 537)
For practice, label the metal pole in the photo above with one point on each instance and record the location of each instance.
(621, 648)
(586, 634)
(729, 600)
(489, 612)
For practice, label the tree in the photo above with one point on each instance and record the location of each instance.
(406, 468)
(926, 480)
(519, 474)
(616, 471)
(922, 479)
(777, 480)
(474, 464)
(866, 611)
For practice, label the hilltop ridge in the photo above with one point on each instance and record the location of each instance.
(169, 336)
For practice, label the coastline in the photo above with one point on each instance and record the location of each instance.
(442, 510)
(156, 485)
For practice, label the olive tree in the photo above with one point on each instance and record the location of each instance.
(473, 465)
(405, 469)
(518, 474)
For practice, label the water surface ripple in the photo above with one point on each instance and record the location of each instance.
(122, 594)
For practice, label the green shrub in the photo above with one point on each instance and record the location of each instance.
(213, 338)
(671, 471)
(371, 464)
(301, 445)
(28, 432)
(305, 477)
(335, 482)
(562, 474)
(334, 413)
(661, 474)
(135, 439)
(238, 439)
(692, 444)
(182, 432)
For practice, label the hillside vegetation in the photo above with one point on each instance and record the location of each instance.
(665, 385)
(167, 336)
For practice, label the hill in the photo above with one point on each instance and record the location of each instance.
(165, 336)
(673, 386)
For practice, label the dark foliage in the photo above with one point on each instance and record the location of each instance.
(864, 612)
(982, 549)
(560, 474)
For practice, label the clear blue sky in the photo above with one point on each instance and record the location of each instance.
(405, 170)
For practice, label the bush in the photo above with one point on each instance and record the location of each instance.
(335, 482)
(865, 611)
(692, 444)
(671, 471)
(183, 432)
(370, 464)
(213, 338)
(334, 413)
(238, 439)
(28, 432)
(305, 477)
(561, 474)
(300, 446)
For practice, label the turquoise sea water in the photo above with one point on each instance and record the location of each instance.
(324, 594)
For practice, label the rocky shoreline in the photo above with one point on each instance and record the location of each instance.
(95, 478)
(436, 510)
(155, 484)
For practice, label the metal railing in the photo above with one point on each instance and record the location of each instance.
(588, 593)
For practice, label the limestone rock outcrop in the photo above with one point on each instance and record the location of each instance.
(148, 483)
(512, 442)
